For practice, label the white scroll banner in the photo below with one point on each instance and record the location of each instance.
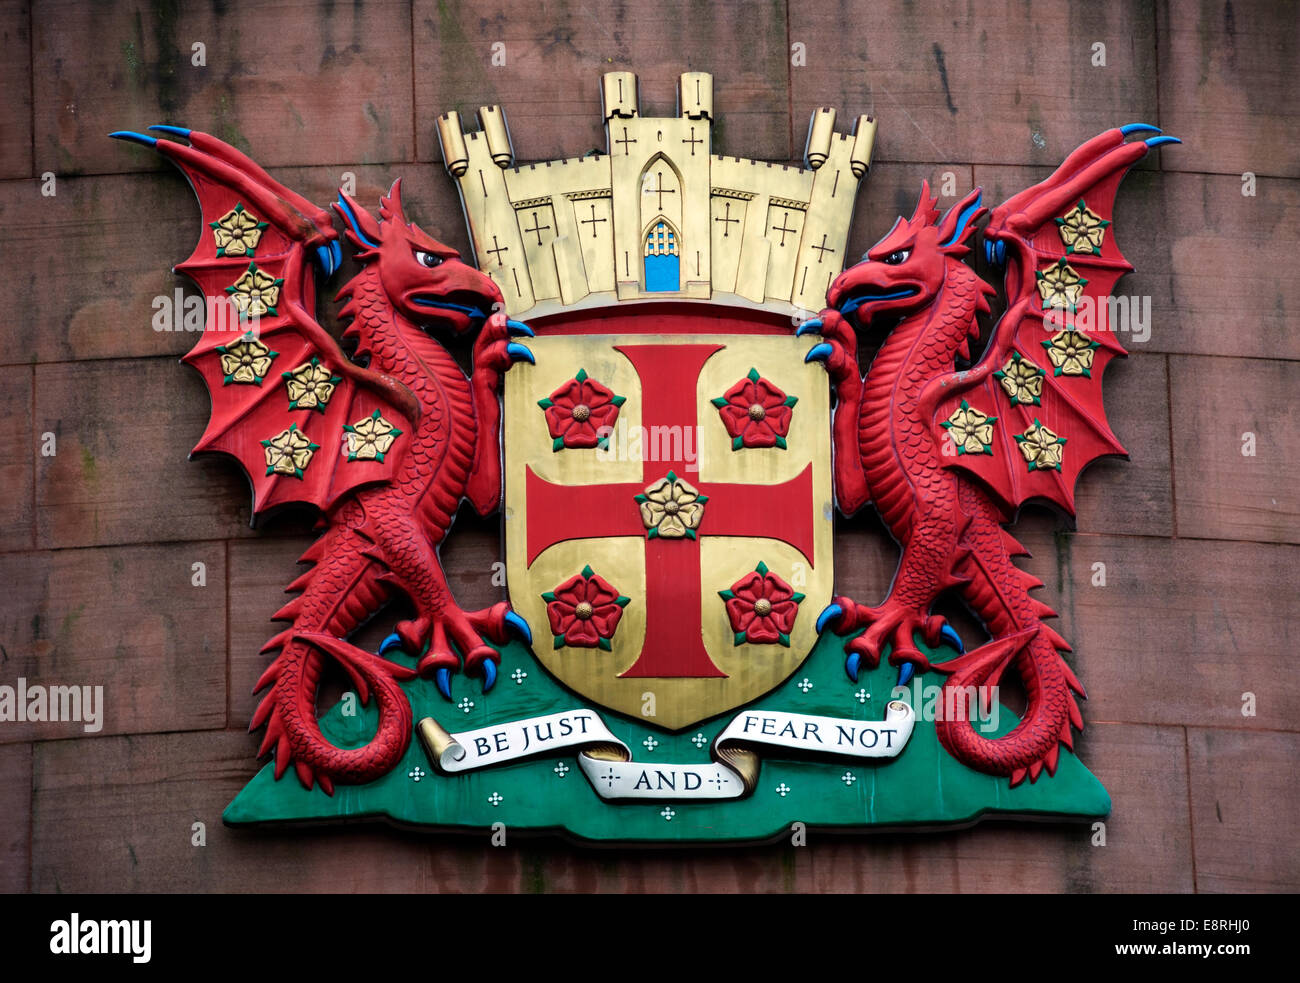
(517, 739)
(607, 761)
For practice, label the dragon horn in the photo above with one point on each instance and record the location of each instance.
(927, 211)
(390, 206)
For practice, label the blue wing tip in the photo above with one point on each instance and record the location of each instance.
(133, 137)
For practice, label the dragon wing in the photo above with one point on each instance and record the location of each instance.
(287, 403)
(1029, 417)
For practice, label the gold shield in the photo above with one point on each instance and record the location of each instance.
(669, 520)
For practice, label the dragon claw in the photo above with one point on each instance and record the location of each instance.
(819, 353)
(1160, 141)
(133, 137)
(520, 627)
(413, 635)
(519, 329)
(889, 626)
(393, 641)
(489, 675)
(520, 353)
(1131, 128)
(443, 680)
(953, 638)
(811, 326)
(829, 613)
(909, 657)
(176, 131)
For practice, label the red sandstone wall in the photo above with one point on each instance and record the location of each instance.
(1201, 543)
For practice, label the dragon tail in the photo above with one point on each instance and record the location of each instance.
(998, 591)
(319, 624)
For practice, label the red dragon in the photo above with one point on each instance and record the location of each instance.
(387, 451)
(949, 456)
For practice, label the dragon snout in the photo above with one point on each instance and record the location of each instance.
(864, 288)
(839, 290)
(464, 295)
(456, 276)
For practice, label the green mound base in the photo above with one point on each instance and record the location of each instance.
(923, 787)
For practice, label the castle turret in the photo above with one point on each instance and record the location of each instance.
(658, 215)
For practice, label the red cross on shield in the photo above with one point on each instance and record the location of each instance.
(637, 492)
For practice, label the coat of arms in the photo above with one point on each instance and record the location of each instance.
(665, 404)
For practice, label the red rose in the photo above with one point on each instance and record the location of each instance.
(578, 411)
(762, 608)
(584, 611)
(755, 413)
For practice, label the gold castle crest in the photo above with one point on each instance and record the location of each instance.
(658, 216)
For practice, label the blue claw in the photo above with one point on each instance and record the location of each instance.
(518, 329)
(520, 353)
(819, 353)
(325, 257)
(443, 679)
(520, 626)
(829, 612)
(953, 638)
(810, 326)
(489, 675)
(131, 135)
(1131, 128)
(905, 672)
(176, 131)
(337, 252)
(1160, 141)
(393, 641)
(851, 665)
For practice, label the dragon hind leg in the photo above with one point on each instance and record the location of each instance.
(892, 624)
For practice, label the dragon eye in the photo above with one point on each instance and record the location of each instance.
(427, 259)
(900, 256)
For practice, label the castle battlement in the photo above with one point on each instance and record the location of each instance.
(657, 216)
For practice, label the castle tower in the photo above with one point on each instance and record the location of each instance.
(658, 216)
